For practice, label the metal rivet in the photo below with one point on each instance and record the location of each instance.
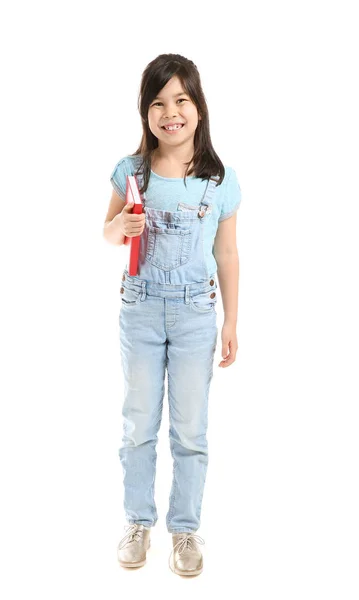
(213, 295)
(212, 282)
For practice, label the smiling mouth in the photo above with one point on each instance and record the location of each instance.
(175, 129)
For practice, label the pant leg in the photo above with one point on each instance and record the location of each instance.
(143, 352)
(191, 347)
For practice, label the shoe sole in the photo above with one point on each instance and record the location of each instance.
(188, 573)
(133, 565)
(185, 573)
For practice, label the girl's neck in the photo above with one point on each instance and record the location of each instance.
(172, 164)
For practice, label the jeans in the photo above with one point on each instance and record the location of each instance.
(174, 327)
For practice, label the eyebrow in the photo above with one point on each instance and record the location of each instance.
(174, 95)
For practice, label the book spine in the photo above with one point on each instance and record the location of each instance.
(134, 242)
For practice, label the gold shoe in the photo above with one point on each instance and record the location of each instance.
(131, 551)
(186, 558)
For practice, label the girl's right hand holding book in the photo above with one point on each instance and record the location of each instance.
(130, 224)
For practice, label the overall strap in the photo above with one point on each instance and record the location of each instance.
(208, 195)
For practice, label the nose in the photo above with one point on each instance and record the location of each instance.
(171, 112)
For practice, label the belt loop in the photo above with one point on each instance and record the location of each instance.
(186, 296)
(143, 291)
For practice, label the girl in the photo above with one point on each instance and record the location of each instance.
(168, 310)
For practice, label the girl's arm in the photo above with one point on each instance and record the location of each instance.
(226, 254)
(111, 230)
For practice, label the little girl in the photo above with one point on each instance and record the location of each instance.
(168, 310)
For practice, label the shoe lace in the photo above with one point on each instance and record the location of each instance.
(185, 542)
(133, 534)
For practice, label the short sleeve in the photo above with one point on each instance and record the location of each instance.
(232, 196)
(118, 178)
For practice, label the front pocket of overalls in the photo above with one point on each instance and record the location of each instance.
(168, 248)
(130, 295)
(203, 302)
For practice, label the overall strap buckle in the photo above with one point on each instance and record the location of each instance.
(206, 206)
(202, 211)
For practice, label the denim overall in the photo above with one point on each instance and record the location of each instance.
(168, 320)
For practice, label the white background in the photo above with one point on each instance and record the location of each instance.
(280, 509)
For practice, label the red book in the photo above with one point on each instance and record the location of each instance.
(133, 195)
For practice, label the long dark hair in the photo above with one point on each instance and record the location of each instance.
(158, 72)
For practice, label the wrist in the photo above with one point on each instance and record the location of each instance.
(113, 232)
(230, 320)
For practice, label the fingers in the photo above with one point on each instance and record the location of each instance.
(134, 217)
(136, 231)
(131, 218)
(134, 224)
(230, 357)
(228, 360)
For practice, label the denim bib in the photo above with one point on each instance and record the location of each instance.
(171, 244)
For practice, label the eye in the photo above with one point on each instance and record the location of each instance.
(179, 99)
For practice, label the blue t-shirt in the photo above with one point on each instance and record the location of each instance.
(165, 193)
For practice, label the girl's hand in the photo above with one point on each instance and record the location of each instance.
(229, 340)
(130, 224)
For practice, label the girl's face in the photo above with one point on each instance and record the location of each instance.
(173, 105)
